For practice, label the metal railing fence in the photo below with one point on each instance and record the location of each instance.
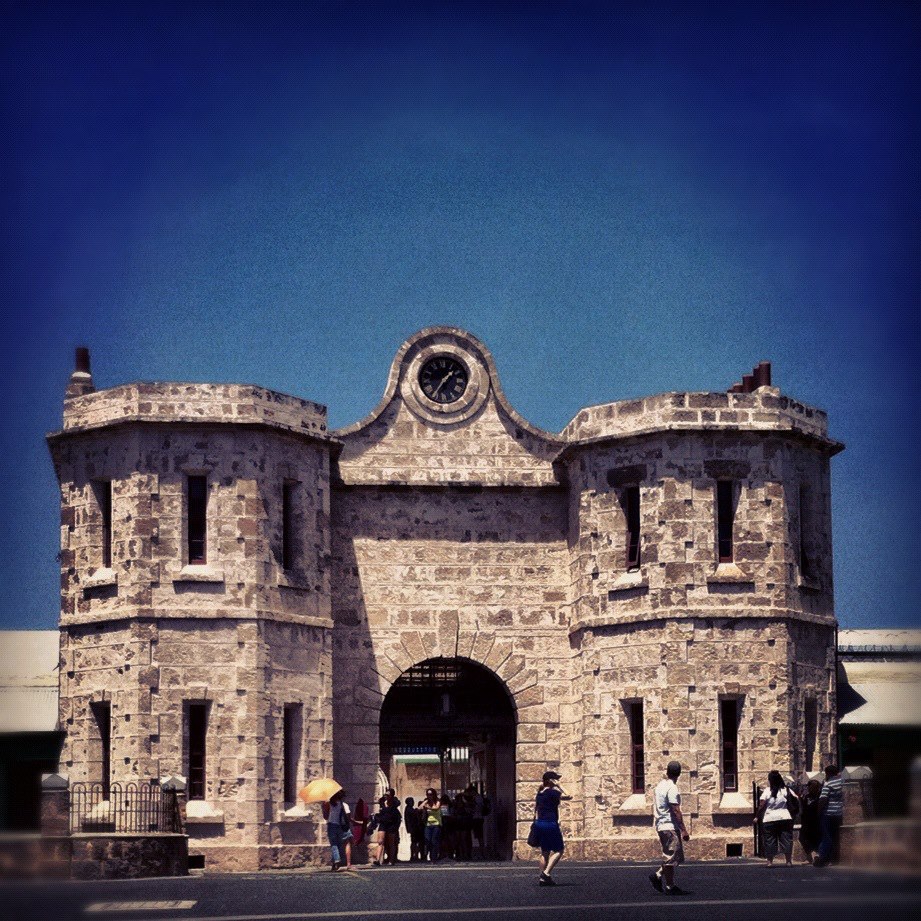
(134, 808)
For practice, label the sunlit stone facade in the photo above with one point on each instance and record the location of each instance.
(445, 526)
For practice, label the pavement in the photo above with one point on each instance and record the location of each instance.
(719, 891)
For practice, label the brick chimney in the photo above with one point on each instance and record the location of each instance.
(81, 381)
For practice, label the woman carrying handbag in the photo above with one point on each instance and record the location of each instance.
(545, 829)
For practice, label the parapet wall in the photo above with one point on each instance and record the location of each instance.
(171, 402)
(765, 409)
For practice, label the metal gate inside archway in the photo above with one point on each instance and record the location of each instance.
(449, 724)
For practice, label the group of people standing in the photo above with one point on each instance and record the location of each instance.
(437, 826)
(819, 810)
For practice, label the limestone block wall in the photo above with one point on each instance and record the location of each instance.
(242, 633)
(148, 466)
(490, 449)
(244, 671)
(677, 475)
(160, 401)
(445, 529)
(683, 631)
(479, 574)
(681, 669)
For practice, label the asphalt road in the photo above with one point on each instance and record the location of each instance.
(715, 891)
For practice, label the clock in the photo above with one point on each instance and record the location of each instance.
(443, 379)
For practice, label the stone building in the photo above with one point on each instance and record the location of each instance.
(251, 600)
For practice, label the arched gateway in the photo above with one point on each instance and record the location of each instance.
(252, 600)
(448, 723)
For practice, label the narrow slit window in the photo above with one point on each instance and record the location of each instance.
(811, 721)
(729, 730)
(287, 525)
(632, 502)
(725, 514)
(805, 566)
(197, 518)
(102, 716)
(196, 753)
(637, 750)
(292, 750)
(105, 521)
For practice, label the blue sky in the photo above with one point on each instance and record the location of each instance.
(618, 199)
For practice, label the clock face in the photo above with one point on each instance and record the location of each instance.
(443, 379)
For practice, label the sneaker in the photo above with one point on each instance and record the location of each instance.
(656, 881)
(545, 880)
(673, 890)
(336, 865)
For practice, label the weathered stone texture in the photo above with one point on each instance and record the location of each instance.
(427, 531)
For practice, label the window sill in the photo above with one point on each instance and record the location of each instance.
(635, 578)
(295, 812)
(734, 804)
(627, 585)
(729, 574)
(101, 578)
(201, 812)
(634, 806)
(199, 573)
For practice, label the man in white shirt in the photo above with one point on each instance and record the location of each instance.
(671, 829)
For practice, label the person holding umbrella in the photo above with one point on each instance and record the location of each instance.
(336, 811)
(339, 830)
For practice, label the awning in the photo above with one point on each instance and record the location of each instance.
(28, 709)
(891, 703)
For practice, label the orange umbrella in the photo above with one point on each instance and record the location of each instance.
(320, 790)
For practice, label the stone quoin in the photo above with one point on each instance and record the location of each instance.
(250, 600)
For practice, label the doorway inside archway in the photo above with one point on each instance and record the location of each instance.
(447, 724)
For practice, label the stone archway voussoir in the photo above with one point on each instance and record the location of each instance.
(414, 646)
(522, 681)
(511, 667)
(497, 656)
(465, 641)
(481, 647)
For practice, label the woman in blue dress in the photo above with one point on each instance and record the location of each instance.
(546, 828)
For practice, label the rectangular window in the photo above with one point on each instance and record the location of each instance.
(287, 525)
(105, 515)
(725, 513)
(292, 750)
(811, 721)
(729, 730)
(197, 731)
(197, 507)
(637, 751)
(102, 716)
(804, 518)
(632, 503)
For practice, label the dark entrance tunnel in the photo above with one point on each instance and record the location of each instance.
(447, 723)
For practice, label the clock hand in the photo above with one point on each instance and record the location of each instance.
(441, 384)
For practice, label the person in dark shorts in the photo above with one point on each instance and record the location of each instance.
(810, 832)
(389, 823)
(777, 819)
(415, 827)
(546, 827)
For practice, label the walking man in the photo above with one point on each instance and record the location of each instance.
(671, 829)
